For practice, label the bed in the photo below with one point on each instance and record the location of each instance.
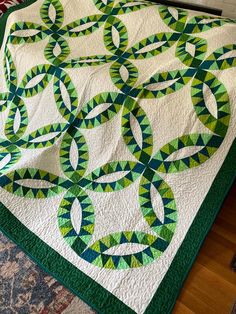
(117, 143)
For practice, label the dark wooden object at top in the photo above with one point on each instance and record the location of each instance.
(190, 6)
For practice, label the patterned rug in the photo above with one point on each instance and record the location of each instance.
(25, 288)
(117, 144)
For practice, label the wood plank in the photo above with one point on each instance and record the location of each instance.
(180, 308)
(225, 229)
(211, 285)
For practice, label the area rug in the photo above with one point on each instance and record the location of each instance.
(117, 143)
(25, 288)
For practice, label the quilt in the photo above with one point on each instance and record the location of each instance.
(117, 143)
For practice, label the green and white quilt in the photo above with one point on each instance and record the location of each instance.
(117, 143)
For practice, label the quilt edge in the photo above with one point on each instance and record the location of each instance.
(38, 251)
(160, 300)
(4, 17)
(163, 301)
(189, 250)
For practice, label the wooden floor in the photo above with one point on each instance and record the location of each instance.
(211, 285)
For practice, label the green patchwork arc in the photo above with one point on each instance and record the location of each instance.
(111, 217)
(148, 166)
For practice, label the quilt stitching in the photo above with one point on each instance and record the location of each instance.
(149, 165)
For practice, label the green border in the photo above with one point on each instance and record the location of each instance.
(94, 294)
(86, 288)
(169, 289)
(57, 266)
(4, 17)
